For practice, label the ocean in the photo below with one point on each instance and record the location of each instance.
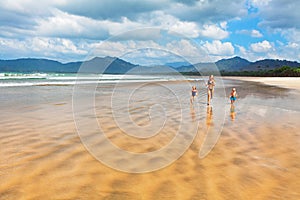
(42, 79)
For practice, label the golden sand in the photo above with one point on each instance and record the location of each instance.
(256, 157)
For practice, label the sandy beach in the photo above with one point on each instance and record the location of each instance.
(256, 155)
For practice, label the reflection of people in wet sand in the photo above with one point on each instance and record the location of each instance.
(209, 116)
(232, 112)
(192, 112)
(194, 93)
(210, 88)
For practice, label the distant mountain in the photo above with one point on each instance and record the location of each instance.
(110, 65)
(232, 64)
(95, 65)
(203, 67)
(177, 64)
(270, 64)
(237, 64)
(32, 65)
(114, 65)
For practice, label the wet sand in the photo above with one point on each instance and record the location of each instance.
(286, 82)
(257, 155)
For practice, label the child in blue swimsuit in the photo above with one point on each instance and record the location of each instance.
(233, 95)
(194, 93)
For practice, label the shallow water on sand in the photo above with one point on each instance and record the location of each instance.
(256, 155)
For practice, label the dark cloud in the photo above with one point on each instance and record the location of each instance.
(20, 22)
(187, 2)
(28, 19)
(280, 14)
(17, 20)
(190, 10)
(210, 10)
(112, 10)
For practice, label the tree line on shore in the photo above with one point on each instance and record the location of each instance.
(284, 71)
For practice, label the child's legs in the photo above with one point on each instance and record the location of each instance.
(192, 98)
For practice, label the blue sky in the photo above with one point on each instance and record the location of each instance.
(150, 31)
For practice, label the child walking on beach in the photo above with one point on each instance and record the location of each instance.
(233, 95)
(194, 93)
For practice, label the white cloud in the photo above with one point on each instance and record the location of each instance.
(242, 50)
(65, 29)
(252, 33)
(171, 23)
(189, 29)
(289, 51)
(219, 48)
(256, 33)
(292, 34)
(214, 31)
(108, 48)
(186, 49)
(150, 52)
(121, 48)
(247, 54)
(223, 25)
(41, 47)
(143, 34)
(293, 45)
(261, 47)
(73, 26)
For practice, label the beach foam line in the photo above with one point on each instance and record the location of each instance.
(63, 83)
(25, 80)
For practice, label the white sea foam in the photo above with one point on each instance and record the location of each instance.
(42, 79)
(4, 76)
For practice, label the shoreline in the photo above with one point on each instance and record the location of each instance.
(284, 82)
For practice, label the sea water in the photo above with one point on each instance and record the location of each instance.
(42, 79)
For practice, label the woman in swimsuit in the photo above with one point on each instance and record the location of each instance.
(210, 88)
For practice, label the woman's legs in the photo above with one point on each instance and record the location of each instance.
(208, 96)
